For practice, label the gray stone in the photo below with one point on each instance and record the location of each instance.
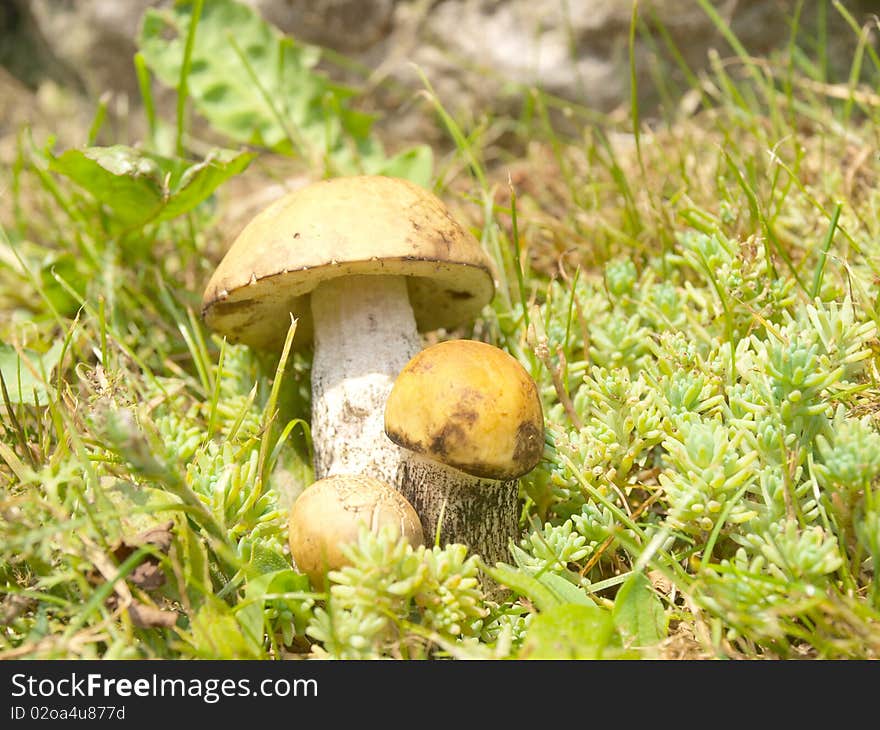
(96, 39)
(348, 26)
(479, 55)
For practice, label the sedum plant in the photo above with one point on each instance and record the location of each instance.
(695, 297)
(391, 586)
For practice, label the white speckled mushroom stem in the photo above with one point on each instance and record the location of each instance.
(365, 332)
(480, 513)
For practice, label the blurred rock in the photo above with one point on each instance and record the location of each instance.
(477, 54)
(577, 50)
(24, 50)
(347, 26)
(95, 38)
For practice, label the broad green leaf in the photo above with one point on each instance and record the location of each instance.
(264, 560)
(523, 584)
(250, 618)
(139, 507)
(215, 634)
(571, 631)
(141, 188)
(299, 609)
(193, 562)
(67, 268)
(260, 87)
(248, 80)
(415, 164)
(198, 181)
(565, 591)
(125, 180)
(25, 375)
(638, 613)
(251, 613)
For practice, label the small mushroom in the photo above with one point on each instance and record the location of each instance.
(364, 263)
(470, 418)
(330, 514)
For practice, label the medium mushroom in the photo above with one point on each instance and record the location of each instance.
(364, 263)
(330, 514)
(470, 418)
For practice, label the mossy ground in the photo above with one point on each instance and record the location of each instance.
(696, 295)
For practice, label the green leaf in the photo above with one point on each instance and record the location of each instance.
(26, 372)
(64, 267)
(139, 507)
(125, 180)
(247, 79)
(216, 634)
(251, 614)
(638, 612)
(198, 181)
(415, 164)
(250, 619)
(193, 562)
(564, 590)
(141, 188)
(260, 87)
(265, 560)
(524, 585)
(571, 631)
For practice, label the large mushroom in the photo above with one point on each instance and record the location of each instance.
(470, 418)
(364, 263)
(330, 514)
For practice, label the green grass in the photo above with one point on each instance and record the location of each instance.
(696, 296)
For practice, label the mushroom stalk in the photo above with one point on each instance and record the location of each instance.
(478, 512)
(365, 332)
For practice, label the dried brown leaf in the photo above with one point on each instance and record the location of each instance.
(149, 617)
(148, 574)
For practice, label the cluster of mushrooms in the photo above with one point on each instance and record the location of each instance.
(430, 441)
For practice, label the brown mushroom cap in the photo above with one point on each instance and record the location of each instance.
(470, 406)
(331, 512)
(366, 224)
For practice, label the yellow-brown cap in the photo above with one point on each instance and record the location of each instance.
(364, 224)
(330, 514)
(468, 405)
